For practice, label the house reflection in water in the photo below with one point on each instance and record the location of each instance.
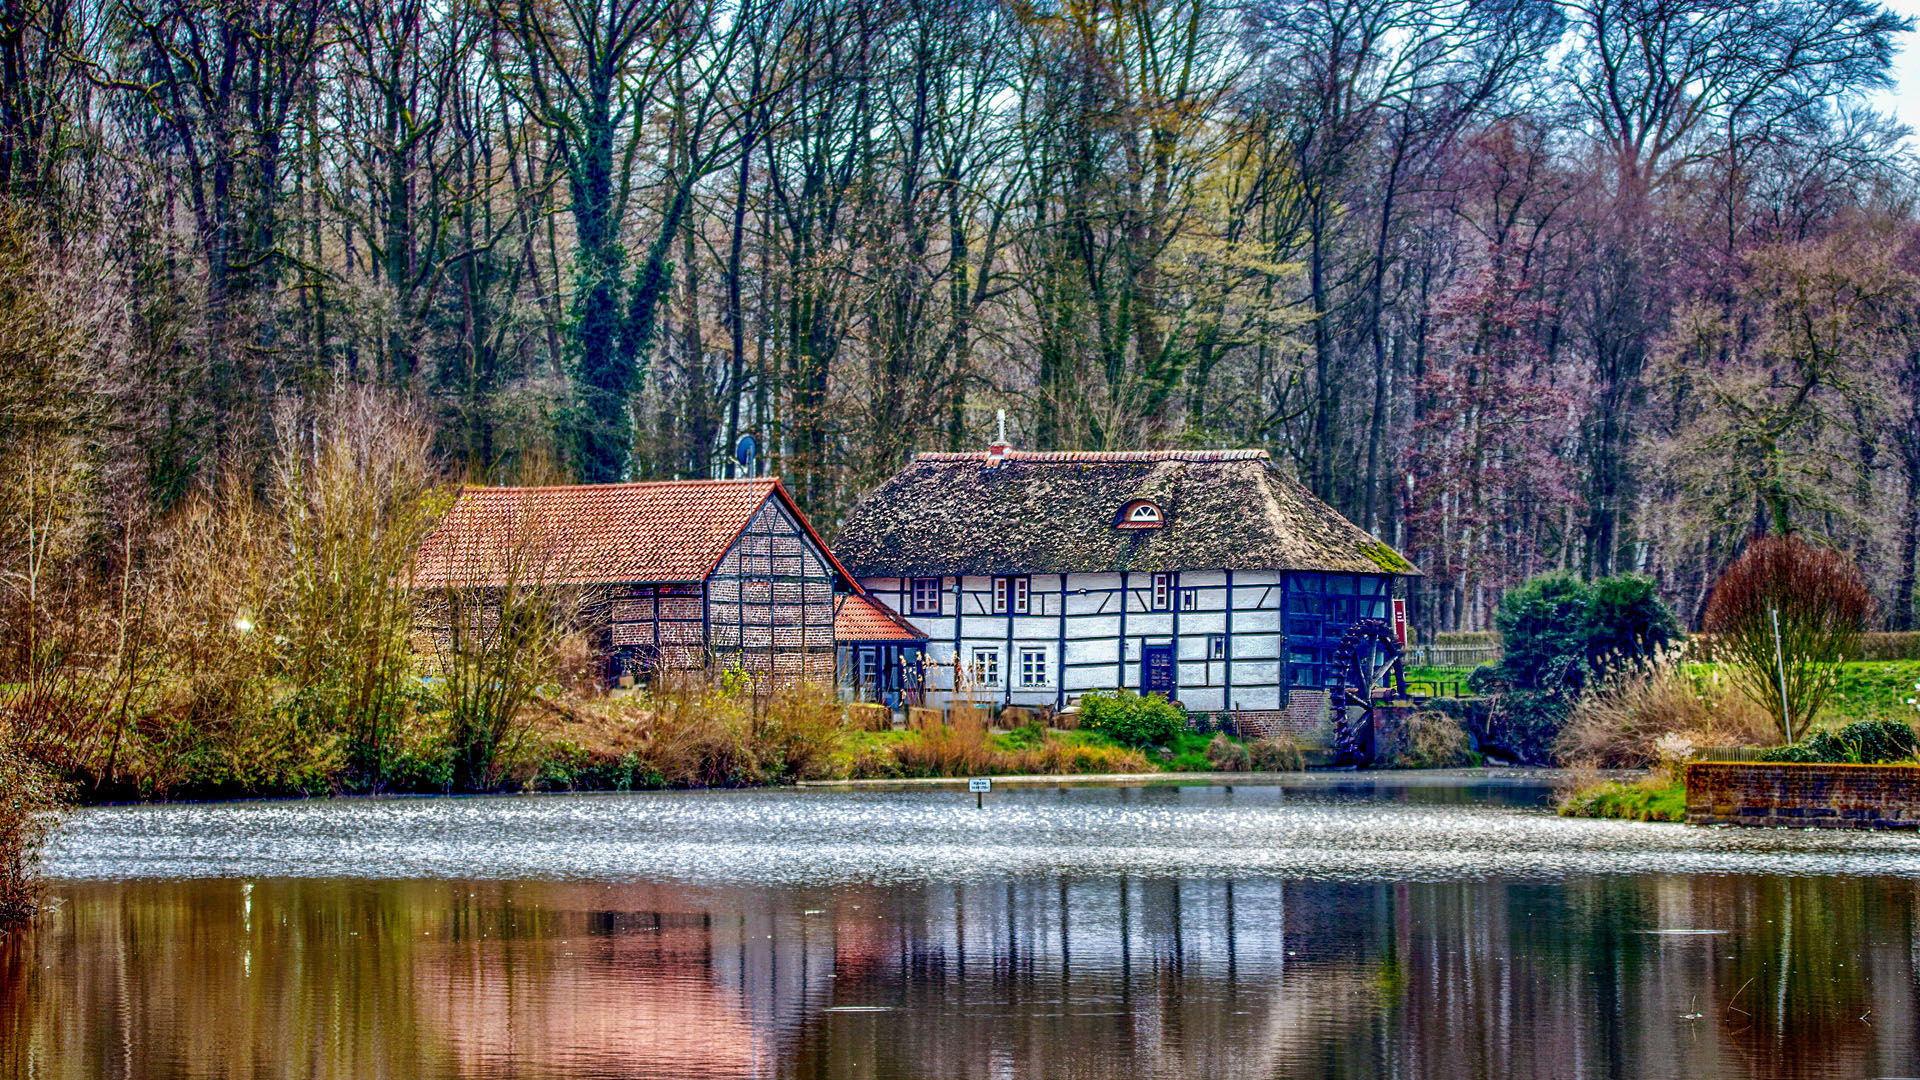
(1045, 977)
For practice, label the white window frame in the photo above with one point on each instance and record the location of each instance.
(1144, 512)
(1189, 599)
(1216, 646)
(986, 665)
(925, 602)
(867, 664)
(1034, 668)
(1012, 594)
(1162, 594)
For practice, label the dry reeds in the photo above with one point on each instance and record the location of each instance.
(690, 734)
(1616, 724)
(956, 750)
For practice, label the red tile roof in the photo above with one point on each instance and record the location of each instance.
(586, 534)
(862, 617)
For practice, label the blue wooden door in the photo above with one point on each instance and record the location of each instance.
(1156, 670)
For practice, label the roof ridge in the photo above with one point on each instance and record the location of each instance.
(739, 480)
(1067, 456)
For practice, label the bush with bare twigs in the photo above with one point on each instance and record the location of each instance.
(1784, 616)
(30, 799)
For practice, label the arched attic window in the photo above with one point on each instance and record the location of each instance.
(1139, 514)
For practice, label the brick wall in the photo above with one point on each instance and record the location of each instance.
(1304, 718)
(1803, 796)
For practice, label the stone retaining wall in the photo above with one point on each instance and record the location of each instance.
(1784, 795)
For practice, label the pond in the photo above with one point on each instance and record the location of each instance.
(1393, 925)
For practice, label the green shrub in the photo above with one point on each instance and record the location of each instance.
(1865, 742)
(1132, 720)
(1543, 624)
(1559, 633)
(1558, 630)
(1626, 621)
(1875, 742)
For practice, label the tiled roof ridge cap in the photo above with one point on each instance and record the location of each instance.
(1065, 456)
(740, 480)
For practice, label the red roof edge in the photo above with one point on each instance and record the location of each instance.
(799, 515)
(879, 606)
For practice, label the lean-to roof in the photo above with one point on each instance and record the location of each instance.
(861, 617)
(1053, 512)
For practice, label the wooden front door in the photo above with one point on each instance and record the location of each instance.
(1156, 670)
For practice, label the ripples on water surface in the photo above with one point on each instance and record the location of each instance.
(1396, 928)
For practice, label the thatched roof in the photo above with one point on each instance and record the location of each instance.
(1034, 512)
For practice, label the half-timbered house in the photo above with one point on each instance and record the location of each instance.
(1208, 576)
(681, 575)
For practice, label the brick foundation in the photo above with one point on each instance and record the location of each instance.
(1784, 795)
(1304, 719)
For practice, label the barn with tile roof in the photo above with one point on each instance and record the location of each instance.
(1209, 576)
(684, 575)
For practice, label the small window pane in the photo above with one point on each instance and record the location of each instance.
(1216, 646)
(986, 667)
(926, 596)
(1340, 583)
(1033, 667)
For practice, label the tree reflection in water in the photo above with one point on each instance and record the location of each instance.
(1031, 977)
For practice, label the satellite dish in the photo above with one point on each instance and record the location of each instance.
(745, 450)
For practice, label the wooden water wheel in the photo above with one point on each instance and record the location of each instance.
(1367, 669)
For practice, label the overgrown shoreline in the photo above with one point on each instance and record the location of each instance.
(1656, 798)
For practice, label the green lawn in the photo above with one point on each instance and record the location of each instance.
(1874, 690)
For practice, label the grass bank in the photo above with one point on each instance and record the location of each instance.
(1656, 798)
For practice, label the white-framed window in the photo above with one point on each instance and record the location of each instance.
(1012, 595)
(1033, 667)
(869, 666)
(1162, 591)
(926, 596)
(986, 667)
(1189, 599)
(1216, 646)
(1140, 513)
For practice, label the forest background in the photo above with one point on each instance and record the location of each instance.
(1600, 285)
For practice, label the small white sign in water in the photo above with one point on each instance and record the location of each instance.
(980, 783)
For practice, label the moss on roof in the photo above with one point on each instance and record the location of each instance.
(947, 514)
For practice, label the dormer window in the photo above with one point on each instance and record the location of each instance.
(1139, 514)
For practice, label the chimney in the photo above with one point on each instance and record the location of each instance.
(997, 449)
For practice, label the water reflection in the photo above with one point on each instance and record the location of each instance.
(1037, 975)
